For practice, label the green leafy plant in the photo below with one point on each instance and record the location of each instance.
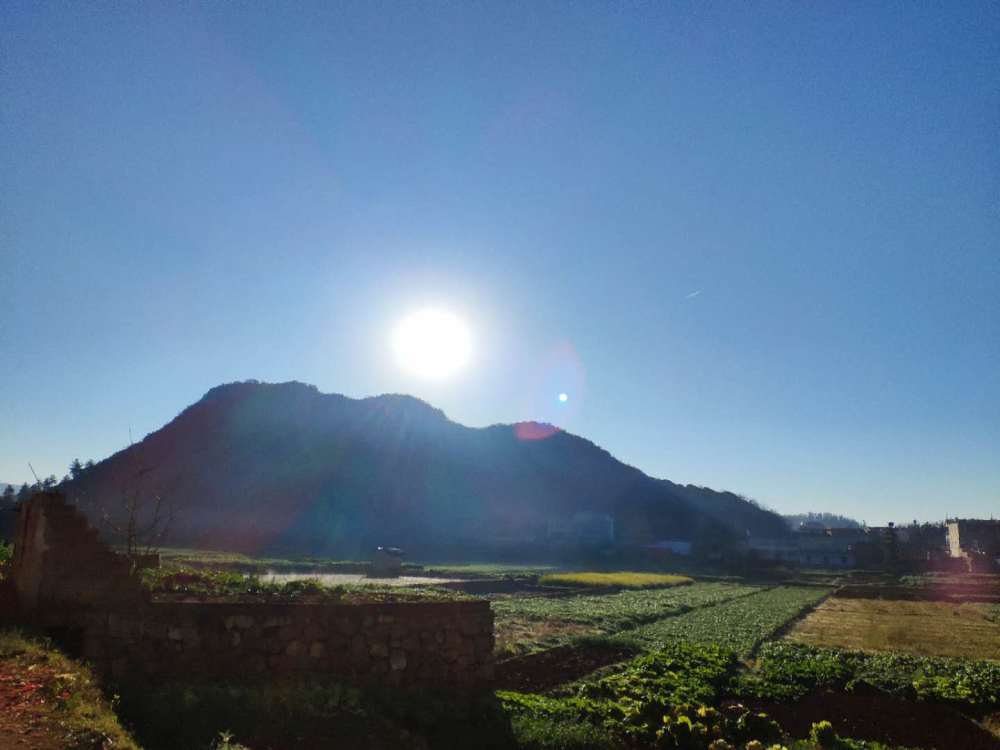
(823, 734)
(631, 703)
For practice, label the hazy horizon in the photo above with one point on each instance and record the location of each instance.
(754, 248)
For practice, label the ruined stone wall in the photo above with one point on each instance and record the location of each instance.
(408, 644)
(67, 579)
(59, 563)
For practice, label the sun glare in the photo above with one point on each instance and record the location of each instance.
(432, 343)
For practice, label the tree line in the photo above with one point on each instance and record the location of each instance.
(10, 496)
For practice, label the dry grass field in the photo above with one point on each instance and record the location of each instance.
(921, 628)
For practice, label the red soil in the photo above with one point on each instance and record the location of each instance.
(25, 709)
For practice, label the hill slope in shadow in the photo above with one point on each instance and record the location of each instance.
(258, 466)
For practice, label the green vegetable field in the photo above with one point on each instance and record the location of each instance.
(614, 612)
(739, 624)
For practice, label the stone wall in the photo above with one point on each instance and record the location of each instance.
(66, 578)
(432, 644)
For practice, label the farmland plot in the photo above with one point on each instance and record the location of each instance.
(527, 623)
(922, 628)
(739, 624)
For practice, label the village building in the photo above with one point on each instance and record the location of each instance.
(812, 545)
(977, 541)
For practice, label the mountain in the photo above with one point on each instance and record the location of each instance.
(256, 466)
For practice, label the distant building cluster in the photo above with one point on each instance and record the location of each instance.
(961, 545)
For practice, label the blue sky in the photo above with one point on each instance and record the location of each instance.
(757, 244)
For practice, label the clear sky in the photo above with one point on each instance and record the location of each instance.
(756, 244)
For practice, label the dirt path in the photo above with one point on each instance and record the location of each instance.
(26, 706)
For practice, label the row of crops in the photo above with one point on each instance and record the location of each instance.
(786, 671)
(739, 624)
(613, 612)
(670, 698)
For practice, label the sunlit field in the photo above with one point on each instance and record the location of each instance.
(924, 628)
(623, 579)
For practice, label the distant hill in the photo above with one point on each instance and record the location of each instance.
(255, 466)
(830, 520)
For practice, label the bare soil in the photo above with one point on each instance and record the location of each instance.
(882, 718)
(544, 670)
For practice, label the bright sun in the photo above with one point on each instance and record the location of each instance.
(432, 343)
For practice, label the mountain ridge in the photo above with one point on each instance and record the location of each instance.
(255, 466)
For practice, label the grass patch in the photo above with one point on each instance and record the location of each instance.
(55, 695)
(517, 637)
(623, 579)
(913, 627)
